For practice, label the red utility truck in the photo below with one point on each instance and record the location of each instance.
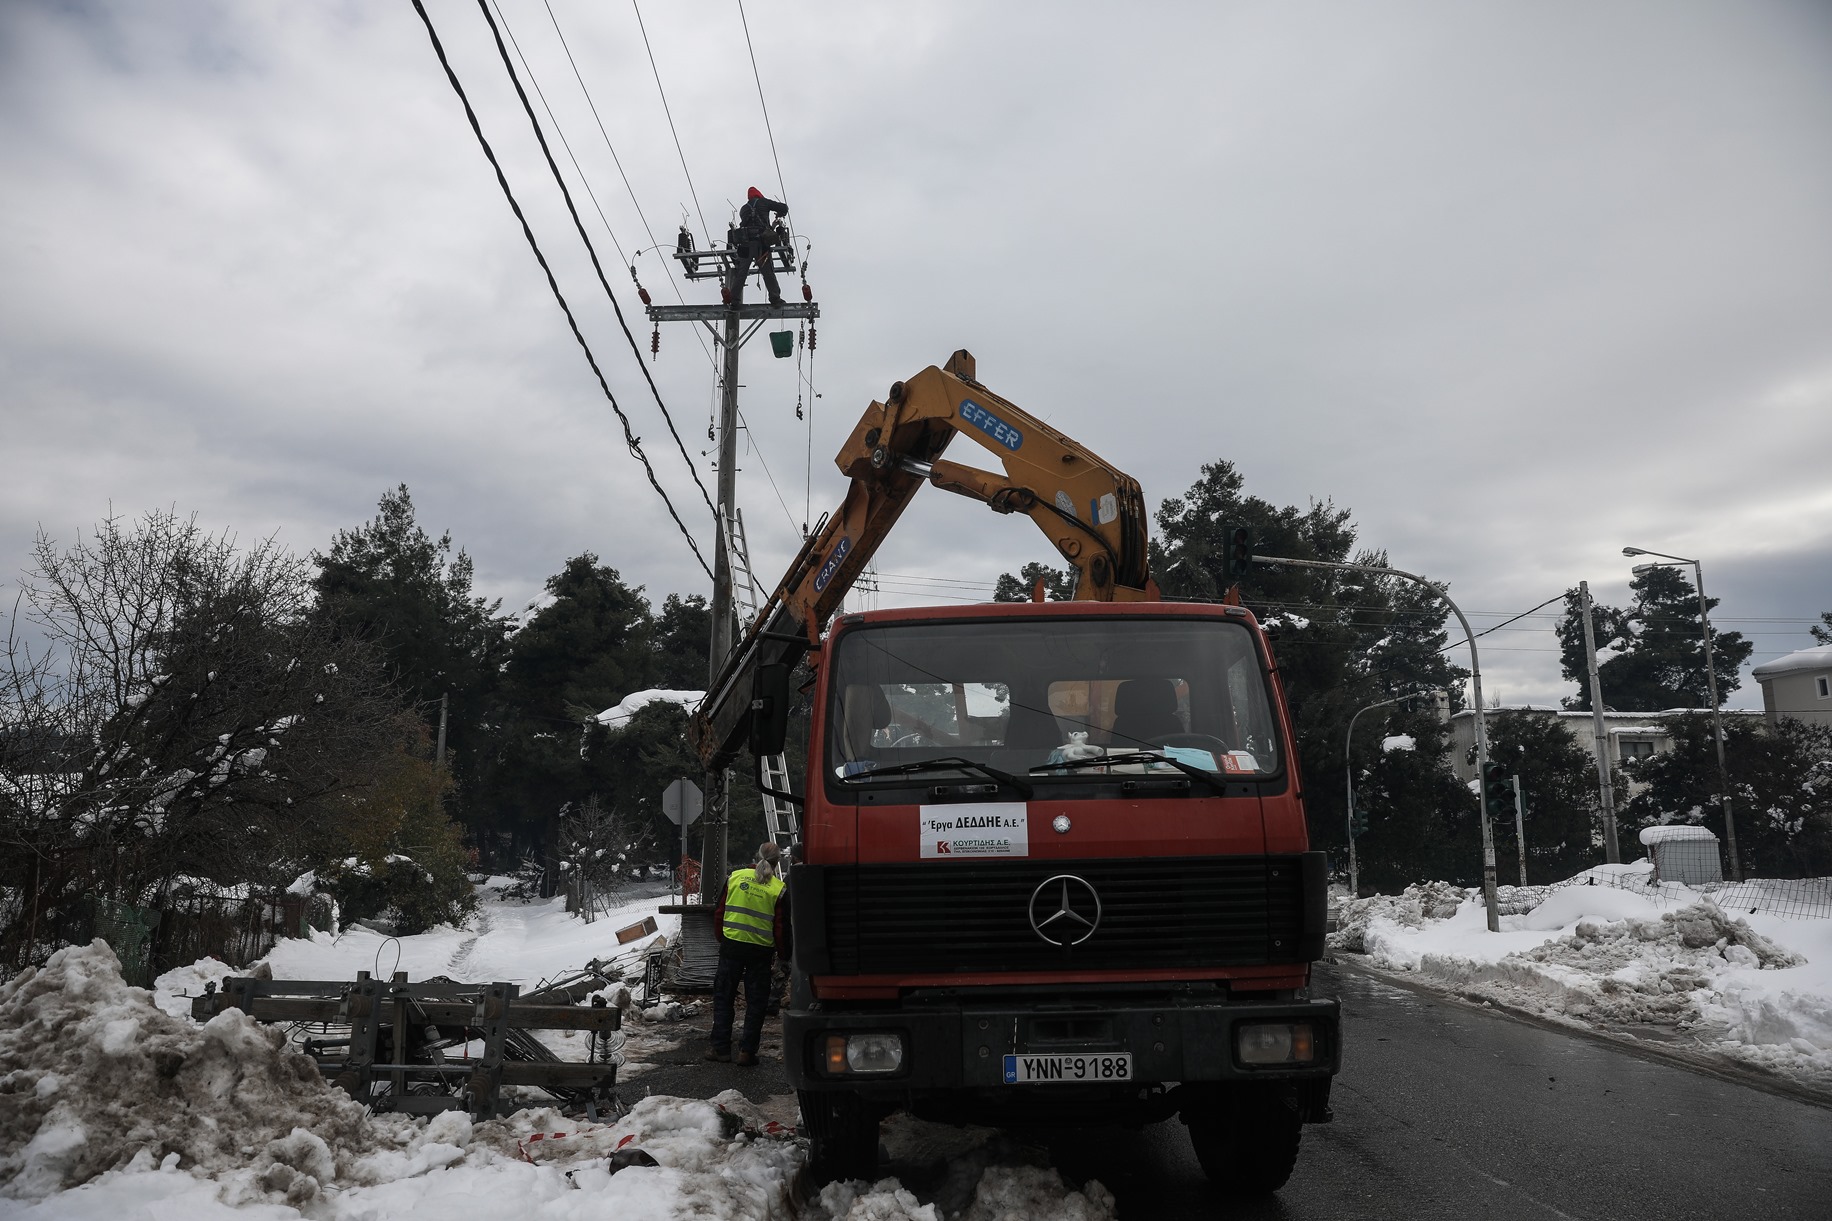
(1055, 867)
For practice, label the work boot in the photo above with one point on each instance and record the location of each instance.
(718, 1056)
(776, 302)
(747, 1059)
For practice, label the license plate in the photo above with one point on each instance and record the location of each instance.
(1089, 1067)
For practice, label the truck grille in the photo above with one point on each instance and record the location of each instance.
(975, 916)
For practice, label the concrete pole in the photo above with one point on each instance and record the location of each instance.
(1717, 727)
(714, 819)
(1606, 785)
(1520, 827)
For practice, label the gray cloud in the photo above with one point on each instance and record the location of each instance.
(1517, 285)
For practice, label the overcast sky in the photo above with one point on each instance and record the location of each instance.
(1519, 284)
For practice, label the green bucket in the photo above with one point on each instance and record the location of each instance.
(783, 343)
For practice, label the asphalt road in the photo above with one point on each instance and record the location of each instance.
(1449, 1110)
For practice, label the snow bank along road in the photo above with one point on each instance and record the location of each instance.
(1444, 1109)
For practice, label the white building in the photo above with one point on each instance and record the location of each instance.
(1798, 686)
(1631, 735)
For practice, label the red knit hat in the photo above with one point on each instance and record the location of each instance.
(754, 193)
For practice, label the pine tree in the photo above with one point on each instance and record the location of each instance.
(1657, 648)
(1344, 640)
(1058, 584)
(1822, 631)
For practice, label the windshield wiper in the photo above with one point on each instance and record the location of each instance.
(1133, 756)
(947, 763)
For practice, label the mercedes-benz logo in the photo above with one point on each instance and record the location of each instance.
(1064, 910)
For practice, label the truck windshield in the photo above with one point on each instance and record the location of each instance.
(1051, 698)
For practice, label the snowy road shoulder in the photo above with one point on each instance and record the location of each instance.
(1754, 989)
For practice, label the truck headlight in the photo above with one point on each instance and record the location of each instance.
(1275, 1043)
(877, 1051)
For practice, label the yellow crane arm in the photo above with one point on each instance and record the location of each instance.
(1093, 514)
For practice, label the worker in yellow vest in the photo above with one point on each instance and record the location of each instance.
(752, 928)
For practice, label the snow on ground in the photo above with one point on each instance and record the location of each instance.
(116, 1105)
(1664, 962)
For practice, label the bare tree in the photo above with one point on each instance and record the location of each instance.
(168, 710)
(598, 849)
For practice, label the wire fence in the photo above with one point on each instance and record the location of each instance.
(1790, 898)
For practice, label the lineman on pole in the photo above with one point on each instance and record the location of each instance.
(752, 240)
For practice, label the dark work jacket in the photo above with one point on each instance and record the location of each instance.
(754, 219)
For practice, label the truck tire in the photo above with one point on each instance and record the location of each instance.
(842, 1136)
(1247, 1142)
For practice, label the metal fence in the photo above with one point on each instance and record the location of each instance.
(235, 929)
(1791, 898)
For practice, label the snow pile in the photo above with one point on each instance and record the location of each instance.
(96, 1077)
(980, 1174)
(1399, 741)
(619, 716)
(1755, 988)
(1410, 909)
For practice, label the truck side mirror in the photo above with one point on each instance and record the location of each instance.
(770, 708)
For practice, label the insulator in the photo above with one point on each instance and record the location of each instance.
(807, 293)
(643, 293)
(811, 339)
(725, 294)
(655, 342)
(801, 338)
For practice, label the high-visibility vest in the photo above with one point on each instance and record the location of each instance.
(750, 908)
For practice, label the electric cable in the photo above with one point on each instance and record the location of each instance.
(618, 162)
(527, 108)
(781, 186)
(559, 131)
(629, 436)
(758, 450)
(671, 129)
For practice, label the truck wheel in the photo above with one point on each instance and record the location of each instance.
(1247, 1143)
(842, 1136)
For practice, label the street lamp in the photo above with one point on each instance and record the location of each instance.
(1348, 773)
(1717, 716)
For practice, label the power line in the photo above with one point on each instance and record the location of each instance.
(622, 173)
(629, 435)
(559, 131)
(758, 450)
(765, 106)
(560, 180)
(677, 135)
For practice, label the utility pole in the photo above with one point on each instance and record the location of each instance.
(1606, 785)
(1520, 826)
(439, 754)
(1475, 680)
(730, 336)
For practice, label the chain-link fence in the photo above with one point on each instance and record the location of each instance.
(1793, 898)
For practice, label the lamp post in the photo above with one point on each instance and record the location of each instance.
(1475, 684)
(1348, 776)
(1717, 715)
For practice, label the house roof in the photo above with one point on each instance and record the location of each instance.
(1611, 713)
(1804, 662)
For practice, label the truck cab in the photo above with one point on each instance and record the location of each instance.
(1055, 871)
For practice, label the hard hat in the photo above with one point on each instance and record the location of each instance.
(754, 193)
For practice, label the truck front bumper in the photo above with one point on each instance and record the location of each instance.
(960, 1046)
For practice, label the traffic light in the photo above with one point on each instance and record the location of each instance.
(1497, 791)
(1239, 555)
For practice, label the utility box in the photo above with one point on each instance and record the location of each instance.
(1683, 854)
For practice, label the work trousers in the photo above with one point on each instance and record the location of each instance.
(751, 965)
(749, 253)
